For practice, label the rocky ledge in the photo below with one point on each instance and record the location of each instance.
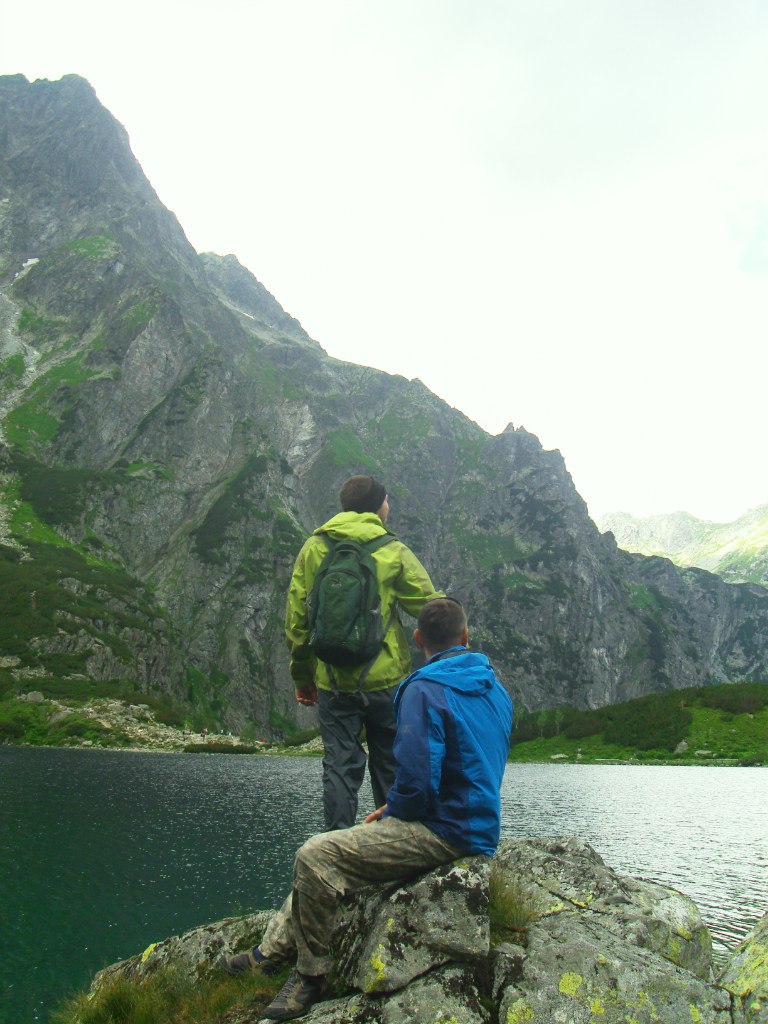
(545, 933)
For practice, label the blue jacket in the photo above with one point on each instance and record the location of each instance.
(454, 721)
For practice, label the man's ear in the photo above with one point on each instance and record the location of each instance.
(465, 638)
(418, 638)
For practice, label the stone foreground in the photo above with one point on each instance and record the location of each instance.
(591, 946)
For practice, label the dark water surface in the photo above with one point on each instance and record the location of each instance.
(103, 852)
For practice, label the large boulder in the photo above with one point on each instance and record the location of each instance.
(545, 933)
(569, 877)
(600, 946)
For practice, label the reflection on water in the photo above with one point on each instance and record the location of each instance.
(102, 853)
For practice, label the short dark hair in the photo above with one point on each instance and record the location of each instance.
(442, 623)
(362, 494)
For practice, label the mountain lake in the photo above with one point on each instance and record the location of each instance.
(103, 852)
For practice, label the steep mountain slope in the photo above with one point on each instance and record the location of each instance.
(737, 551)
(171, 435)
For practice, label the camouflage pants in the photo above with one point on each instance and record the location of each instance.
(332, 864)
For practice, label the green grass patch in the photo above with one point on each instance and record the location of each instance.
(57, 589)
(230, 507)
(510, 907)
(345, 449)
(37, 725)
(39, 329)
(168, 997)
(136, 318)
(402, 424)
(490, 550)
(58, 496)
(36, 421)
(93, 247)
(12, 369)
(300, 738)
(43, 723)
(145, 469)
(205, 699)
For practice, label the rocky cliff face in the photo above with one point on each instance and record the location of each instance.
(170, 435)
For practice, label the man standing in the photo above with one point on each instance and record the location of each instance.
(352, 697)
(453, 727)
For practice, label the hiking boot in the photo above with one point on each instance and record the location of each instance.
(250, 960)
(296, 996)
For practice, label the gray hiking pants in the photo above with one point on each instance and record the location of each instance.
(332, 864)
(342, 717)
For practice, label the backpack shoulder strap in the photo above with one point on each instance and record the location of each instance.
(378, 542)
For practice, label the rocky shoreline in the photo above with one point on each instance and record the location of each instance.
(134, 728)
(544, 933)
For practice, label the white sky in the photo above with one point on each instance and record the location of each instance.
(552, 213)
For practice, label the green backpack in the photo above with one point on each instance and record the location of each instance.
(344, 605)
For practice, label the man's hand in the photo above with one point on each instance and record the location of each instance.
(307, 695)
(375, 815)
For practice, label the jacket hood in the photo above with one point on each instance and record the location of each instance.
(467, 672)
(356, 526)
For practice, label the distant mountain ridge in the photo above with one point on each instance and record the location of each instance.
(169, 436)
(737, 551)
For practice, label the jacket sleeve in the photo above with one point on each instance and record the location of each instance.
(419, 751)
(302, 665)
(413, 587)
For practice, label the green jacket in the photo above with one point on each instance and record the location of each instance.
(403, 584)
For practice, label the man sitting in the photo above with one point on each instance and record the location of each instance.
(453, 726)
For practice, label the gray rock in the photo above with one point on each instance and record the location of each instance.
(195, 953)
(745, 976)
(577, 971)
(569, 876)
(395, 934)
(447, 995)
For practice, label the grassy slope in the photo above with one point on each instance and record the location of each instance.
(714, 735)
